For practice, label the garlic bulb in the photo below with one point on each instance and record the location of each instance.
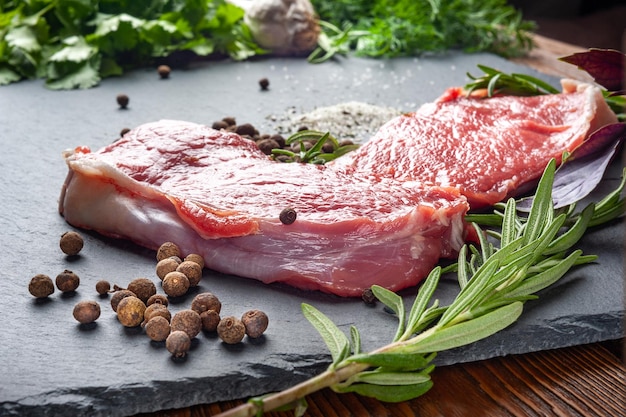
(285, 27)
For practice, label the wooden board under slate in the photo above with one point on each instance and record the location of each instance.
(50, 365)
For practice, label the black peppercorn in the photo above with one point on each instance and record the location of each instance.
(288, 216)
(368, 297)
(122, 100)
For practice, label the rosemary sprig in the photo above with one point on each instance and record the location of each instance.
(497, 82)
(314, 154)
(534, 252)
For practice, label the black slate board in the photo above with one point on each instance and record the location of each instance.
(49, 365)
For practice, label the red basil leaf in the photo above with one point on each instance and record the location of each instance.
(606, 66)
(585, 167)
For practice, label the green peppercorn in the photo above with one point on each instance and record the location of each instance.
(41, 286)
(67, 281)
(86, 312)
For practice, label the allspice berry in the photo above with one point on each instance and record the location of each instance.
(194, 257)
(118, 296)
(210, 320)
(175, 284)
(86, 312)
(178, 343)
(255, 322)
(71, 243)
(192, 271)
(164, 71)
(188, 321)
(206, 301)
(264, 83)
(167, 265)
(231, 330)
(103, 287)
(130, 311)
(41, 286)
(166, 250)
(158, 299)
(67, 281)
(157, 328)
(143, 288)
(154, 310)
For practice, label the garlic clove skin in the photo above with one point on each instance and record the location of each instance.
(285, 27)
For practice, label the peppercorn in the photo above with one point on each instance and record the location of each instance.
(194, 257)
(158, 328)
(122, 100)
(157, 299)
(231, 330)
(328, 147)
(264, 83)
(255, 322)
(210, 320)
(346, 142)
(206, 301)
(164, 71)
(267, 145)
(188, 321)
(67, 281)
(86, 312)
(166, 250)
(219, 125)
(230, 121)
(103, 287)
(280, 139)
(130, 311)
(124, 131)
(143, 288)
(178, 343)
(41, 286)
(192, 271)
(368, 297)
(245, 129)
(175, 284)
(165, 266)
(118, 296)
(154, 310)
(71, 243)
(288, 216)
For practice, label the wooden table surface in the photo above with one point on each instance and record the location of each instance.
(581, 381)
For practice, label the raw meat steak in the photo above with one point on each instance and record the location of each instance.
(487, 148)
(217, 194)
(384, 214)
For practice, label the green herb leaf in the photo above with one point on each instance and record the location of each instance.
(334, 338)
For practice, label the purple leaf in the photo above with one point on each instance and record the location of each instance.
(606, 66)
(585, 167)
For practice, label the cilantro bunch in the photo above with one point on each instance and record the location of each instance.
(76, 43)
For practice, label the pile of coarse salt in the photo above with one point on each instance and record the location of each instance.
(352, 120)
